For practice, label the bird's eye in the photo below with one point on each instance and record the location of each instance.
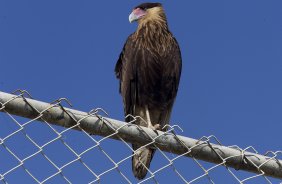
(143, 8)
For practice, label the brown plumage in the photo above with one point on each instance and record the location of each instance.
(149, 69)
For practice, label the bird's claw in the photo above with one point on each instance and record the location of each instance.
(155, 127)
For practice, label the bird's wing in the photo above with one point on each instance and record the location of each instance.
(125, 70)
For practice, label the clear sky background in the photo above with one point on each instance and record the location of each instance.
(232, 65)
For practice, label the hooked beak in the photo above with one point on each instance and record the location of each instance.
(136, 15)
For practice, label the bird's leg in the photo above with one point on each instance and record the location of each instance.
(148, 118)
(150, 125)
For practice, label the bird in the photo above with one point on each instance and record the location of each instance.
(149, 69)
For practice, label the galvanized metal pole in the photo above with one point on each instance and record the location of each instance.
(203, 150)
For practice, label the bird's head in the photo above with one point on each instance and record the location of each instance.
(147, 11)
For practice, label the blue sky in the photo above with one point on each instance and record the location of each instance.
(232, 62)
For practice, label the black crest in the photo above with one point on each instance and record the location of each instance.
(145, 6)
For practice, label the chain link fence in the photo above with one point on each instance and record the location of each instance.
(49, 143)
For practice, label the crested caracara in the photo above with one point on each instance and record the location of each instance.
(149, 69)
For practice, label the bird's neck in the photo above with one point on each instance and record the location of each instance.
(154, 35)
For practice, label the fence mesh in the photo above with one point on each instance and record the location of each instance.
(35, 151)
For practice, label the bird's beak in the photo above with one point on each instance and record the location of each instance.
(136, 15)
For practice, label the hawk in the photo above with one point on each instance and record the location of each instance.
(149, 69)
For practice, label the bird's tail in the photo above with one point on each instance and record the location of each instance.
(143, 155)
(141, 161)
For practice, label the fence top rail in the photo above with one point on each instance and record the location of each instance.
(207, 148)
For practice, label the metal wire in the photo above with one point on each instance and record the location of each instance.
(33, 152)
